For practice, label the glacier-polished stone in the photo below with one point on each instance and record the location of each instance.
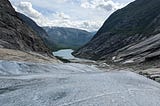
(33, 84)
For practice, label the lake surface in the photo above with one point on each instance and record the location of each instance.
(65, 53)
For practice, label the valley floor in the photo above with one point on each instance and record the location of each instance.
(73, 84)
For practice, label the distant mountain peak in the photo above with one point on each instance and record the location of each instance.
(68, 37)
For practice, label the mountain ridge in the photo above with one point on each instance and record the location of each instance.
(65, 37)
(133, 24)
(15, 34)
(18, 41)
(39, 30)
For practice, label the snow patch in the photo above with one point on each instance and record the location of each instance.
(114, 57)
(128, 61)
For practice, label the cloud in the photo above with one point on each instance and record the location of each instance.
(62, 16)
(86, 25)
(83, 14)
(55, 19)
(26, 7)
(107, 5)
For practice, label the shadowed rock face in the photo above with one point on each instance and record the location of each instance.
(15, 34)
(39, 30)
(130, 33)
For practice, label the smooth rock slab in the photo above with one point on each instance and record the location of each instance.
(77, 88)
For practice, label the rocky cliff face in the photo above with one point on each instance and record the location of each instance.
(15, 34)
(39, 31)
(68, 37)
(130, 34)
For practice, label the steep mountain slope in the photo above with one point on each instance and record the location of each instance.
(39, 30)
(128, 35)
(15, 34)
(68, 37)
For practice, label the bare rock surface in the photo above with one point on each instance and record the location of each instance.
(72, 84)
(15, 34)
(129, 35)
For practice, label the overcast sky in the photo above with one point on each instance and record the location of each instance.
(83, 14)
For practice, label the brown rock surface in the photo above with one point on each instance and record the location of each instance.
(15, 34)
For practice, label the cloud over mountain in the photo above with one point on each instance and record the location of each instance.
(26, 7)
(82, 14)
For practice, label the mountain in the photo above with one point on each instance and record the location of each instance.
(59, 37)
(39, 30)
(129, 35)
(68, 37)
(18, 41)
(15, 34)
